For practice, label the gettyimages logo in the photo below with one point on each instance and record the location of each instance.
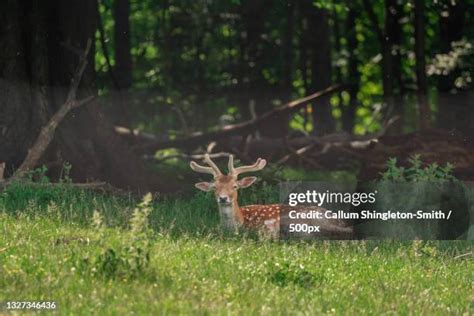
(323, 198)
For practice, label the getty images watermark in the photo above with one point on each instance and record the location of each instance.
(323, 210)
(313, 197)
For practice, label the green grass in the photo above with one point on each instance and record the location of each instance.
(52, 249)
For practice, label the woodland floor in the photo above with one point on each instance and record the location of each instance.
(436, 145)
(53, 248)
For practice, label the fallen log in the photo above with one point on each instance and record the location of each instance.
(267, 147)
(243, 128)
(138, 138)
(368, 153)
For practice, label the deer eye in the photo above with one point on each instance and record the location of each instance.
(235, 186)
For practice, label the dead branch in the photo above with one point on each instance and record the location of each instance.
(296, 153)
(210, 147)
(308, 149)
(182, 120)
(464, 255)
(235, 129)
(47, 132)
(135, 136)
(191, 157)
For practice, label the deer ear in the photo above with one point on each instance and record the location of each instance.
(204, 186)
(246, 182)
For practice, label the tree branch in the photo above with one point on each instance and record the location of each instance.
(47, 132)
(240, 128)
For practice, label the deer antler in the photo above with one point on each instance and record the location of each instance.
(259, 165)
(212, 169)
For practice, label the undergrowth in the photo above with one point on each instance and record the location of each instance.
(417, 172)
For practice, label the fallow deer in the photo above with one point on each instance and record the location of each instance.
(232, 216)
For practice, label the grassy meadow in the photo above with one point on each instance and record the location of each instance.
(97, 254)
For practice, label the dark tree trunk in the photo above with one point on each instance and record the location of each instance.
(421, 81)
(123, 60)
(349, 113)
(321, 69)
(37, 60)
(24, 78)
(259, 93)
(287, 81)
(387, 57)
(385, 36)
(394, 32)
(452, 22)
(337, 50)
(288, 60)
(123, 57)
(253, 14)
(303, 59)
(451, 25)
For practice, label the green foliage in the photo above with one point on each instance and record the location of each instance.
(129, 259)
(66, 173)
(69, 203)
(416, 172)
(196, 56)
(293, 274)
(38, 175)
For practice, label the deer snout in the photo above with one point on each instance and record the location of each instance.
(223, 199)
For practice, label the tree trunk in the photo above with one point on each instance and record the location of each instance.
(123, 57)
(253, 13)
(336, 27)
(288, 60)
(321, 70)
(452, 23)
(287, 82)
(386, 46)
(421, 81)
(349, 113)
(388, 61)
(24, 76)
(123, 60)
(395, 34)
(303, 59)
(37, 60)
(259, 93)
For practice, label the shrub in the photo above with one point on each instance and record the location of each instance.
(131, 257)
(416, 172)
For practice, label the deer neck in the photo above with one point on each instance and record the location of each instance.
(231, 215)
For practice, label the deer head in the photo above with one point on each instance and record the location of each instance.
(225, 187)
